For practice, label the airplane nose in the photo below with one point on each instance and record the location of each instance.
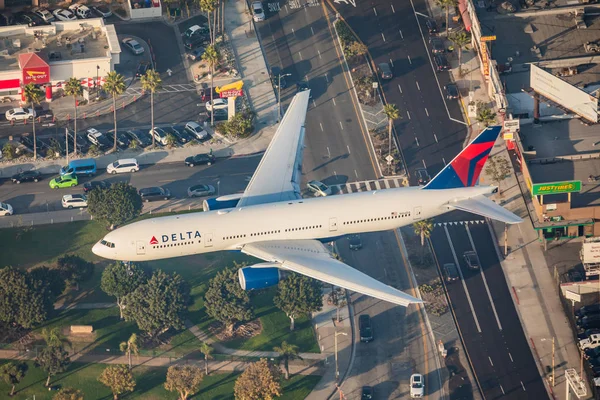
(97, 249)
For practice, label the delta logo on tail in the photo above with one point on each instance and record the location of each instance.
(464, 170)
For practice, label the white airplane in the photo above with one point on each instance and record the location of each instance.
(272, 222)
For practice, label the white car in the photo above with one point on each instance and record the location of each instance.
(80, 10)
(218, 104)
(160, 135)
(417, 386)
(133, 45)
(44, 14)
(258, 14)
(122, 166)
(64, 15)
(19, 114)
(194, 129)
(6, 209)
(318, 188)
(74, 201)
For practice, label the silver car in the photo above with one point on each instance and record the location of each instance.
(133, 46)
(258, 14)
(200, 190)
(318, 188)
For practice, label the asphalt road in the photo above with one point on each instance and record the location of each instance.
(233, 175)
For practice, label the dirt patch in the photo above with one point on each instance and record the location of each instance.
(244, 331)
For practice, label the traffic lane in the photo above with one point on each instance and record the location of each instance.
(524, 369)
(233, 175)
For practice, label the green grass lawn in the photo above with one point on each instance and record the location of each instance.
(149, 384)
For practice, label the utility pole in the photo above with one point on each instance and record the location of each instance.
(337, 371)
(505, 240)
(67, 142)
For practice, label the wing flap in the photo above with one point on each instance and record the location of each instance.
(311, 258)
(481, 205)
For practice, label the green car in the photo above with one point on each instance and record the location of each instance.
(64, 181)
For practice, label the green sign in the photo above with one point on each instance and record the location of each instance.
(540, 189)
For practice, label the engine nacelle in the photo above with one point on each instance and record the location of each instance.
(260, 276)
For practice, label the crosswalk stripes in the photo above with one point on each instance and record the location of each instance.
(365, 186)
(165, 89)
(476, 221)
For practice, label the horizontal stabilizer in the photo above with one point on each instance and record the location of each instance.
(481, 205)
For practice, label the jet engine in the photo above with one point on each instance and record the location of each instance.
(260, 276)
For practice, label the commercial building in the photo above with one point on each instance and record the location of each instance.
(50, 55)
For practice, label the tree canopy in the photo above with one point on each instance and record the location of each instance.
(159, 304)
(53, 360)
(68, 393)
(298, 295)
(119, 280)
(498, 168)
(118, 378)
(74, 269)
(184, 379)
(260, 381)
(12, 373)
(226, 301)
(115, 205)
(50, 278)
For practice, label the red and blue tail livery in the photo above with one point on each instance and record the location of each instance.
(464, 170)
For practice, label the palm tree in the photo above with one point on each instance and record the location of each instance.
(486, 116)
(460, 40)
(211, 56)
(447, 5)
(114, 85)
(206, 349)
(208, 6)
(423, 228)
(33, 95)
(287, 352)
(130, 346)
(151, 81)
(392, 114)
(73, 88)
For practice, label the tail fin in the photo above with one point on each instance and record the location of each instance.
(464, 170)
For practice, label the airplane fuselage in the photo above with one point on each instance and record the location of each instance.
(311, 218)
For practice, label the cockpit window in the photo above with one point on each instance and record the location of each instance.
(107, 244)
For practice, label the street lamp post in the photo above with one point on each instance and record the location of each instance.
(218, 188)
(97, 79)
(337, 371)
(279, 95)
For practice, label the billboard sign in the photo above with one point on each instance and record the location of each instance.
(485, 60)
(231, 93)
(36, 75)
(591, 253)
(540, 189)
(510, 127)
(488, 38)
(563, 93)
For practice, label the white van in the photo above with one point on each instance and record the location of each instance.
(125, 165)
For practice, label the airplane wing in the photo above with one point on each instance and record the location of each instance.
(481, 205)
(311, 258)
(278, 175)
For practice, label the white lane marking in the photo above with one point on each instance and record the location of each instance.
(417, 140)
(319, 53)
(286, 9)
(394, 11)
(167, 181)
(341, 126)
(427, 112)
(375, 11)
(409, 61)
(356, 174)
(401, 35)
(348, 147)
(501, 388)
(435, 137)
(314, 104)
(487, 288)
(462, 278)
(300, 53)
(424, 165)
(391, 63)
(383, 36)
(293, 32)
(490, 358)
(333, 98)
(510, 355)
(523, 386)
(399, 88)
(444, 160)
(321, 125)
(328, 153)
(408, 112)
(326, 78)
(311, 29)
(418, 87)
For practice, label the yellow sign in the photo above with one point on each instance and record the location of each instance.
(484, 59)
(238, 85)
(488, 38)
(32, 73)
(508, 135)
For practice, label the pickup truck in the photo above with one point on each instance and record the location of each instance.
(591, 342)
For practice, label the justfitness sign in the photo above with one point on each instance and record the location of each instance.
(540, 189)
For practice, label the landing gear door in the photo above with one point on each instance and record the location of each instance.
(208, 240)
(140, 247)
(332, 224)
(417, 213)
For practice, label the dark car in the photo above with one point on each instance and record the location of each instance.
(441, 63)
(589, 324)
(586, 334)
(365, 328)
(451, 272)
(367, 393)
(154, 193)
(432, 27)
(354, 242)
(588, 310)
(196, 54)
(218, 115)
(302, 86)
(385, 72)
(180, 134)
(123, 140)
(98, 139)
(277, 77)
(27, 141)
(200, 159)
(26, 176)
(142, 138)
(142, 68)
(83, 145)
(423, 177)
(471, 259)
(91, 185)
(451, 91)
(195, 41)
(101, 11)
(25, 18)
(588, 319)
(437, 45)
(6, 20)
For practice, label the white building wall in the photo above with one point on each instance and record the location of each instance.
(61, 71)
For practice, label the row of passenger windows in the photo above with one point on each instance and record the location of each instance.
(273, 232)
(401, 215)
(162, 246)
(304, 228)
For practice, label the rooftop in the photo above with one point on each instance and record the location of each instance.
(561, 138)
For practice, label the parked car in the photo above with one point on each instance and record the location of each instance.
(74, 201)
(218, 115)
(437, 45)
(142, 138)
(6, 209)
(80, 10)
(101, 10)
(441, 63)
(155, 193)
(25, 18)
(258, 14)
(588, 319)
(160, 135)
(589, 344)
(367, 393)
(589, 324)
(451, 91)
(217, 104)
(471, 259)
(586, 310)
(194, 129)
(354, 242)
(98, 139)
(93, 185)
(122, 166)
(417, 386)
(423, 177)
(195, 30)
(133, 46)
(44, 15)
(64, 181)
(64, 15)
(142, 68)
(27, 141)
(385, 72)
(6, 20)
(318, 188)
(451, 272)
(200, 159)
(123, 140)
(182, 135)
(200, 190)
(83, 145)
(432, 27)
(195, 41)
(19, 114)
(586, 334)
(26, 176)
(277, 76)
(365, 328)
(196, 54)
